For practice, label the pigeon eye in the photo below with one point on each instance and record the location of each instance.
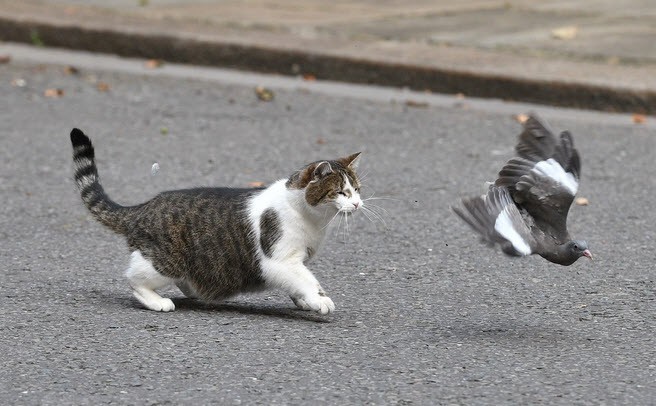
(576, 246)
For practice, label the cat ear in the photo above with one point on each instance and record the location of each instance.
(321, 170)
(352, 161)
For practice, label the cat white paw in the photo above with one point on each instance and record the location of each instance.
(154, 301)
(317, 303)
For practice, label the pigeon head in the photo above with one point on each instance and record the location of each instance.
(578, 248)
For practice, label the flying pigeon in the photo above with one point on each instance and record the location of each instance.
(525, 210)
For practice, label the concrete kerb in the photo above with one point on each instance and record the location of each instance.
(330, 67)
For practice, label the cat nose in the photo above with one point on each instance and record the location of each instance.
(356, 204)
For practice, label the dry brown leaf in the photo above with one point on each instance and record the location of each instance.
(460, 96)
(102, 86)
(255, 184)
(309, 77)
(5, 59)
(565, 33)
(521, 118)
(639, 118)
(263, 93)
(321, 141)
(54, 93)
(413, 103)
(71, 70)
(581, 201)
(154, 63)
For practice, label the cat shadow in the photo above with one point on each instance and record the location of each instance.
(186, 304)
(183, 304)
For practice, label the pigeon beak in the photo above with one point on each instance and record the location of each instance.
(588, 254)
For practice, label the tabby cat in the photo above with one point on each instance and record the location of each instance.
(217, 242)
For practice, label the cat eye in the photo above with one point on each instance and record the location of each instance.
(340, 192)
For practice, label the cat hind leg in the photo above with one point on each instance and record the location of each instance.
(145, 280)
(186, 289)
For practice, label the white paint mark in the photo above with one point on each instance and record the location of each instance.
(154, 169)
(552, 169)
(504, 226)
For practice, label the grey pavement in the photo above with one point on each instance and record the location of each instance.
(425, 314)
(583, 53)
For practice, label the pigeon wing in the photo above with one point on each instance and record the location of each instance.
(545, 177)
(498, 220)
(538, 143)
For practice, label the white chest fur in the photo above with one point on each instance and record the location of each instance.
(303, 227)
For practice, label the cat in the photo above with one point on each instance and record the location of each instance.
(214, 243)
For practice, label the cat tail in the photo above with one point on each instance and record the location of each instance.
(104, 209)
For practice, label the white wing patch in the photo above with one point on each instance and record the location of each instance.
(552, 169)
(504, 226)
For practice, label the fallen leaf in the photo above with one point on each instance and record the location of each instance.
(613, 60)
(460, 96)
(255, 184)
(639, 118)
(263, 93)
(565, 33)
(154, 63)
(71, 70)
(5, 58)
(102, 86)
(164, 130)
(581, 201)
(309, 77)
(18, 82)
(321, 141)
(53, 93)
(413, 103)
(521, 118)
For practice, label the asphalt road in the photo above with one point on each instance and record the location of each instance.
(424, 313)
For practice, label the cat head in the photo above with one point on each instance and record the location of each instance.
(332, 184)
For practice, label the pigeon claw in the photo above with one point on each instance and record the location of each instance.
(588, 254)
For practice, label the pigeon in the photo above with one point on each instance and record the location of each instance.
(525, 210)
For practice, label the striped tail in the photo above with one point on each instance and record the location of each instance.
(104, 209)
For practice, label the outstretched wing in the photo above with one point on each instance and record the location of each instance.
(544, 178)
(498, 220)
(538, 143)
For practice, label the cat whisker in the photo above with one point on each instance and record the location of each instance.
(363, 177)
(381, 198)
(366, 214)
(348, 231)
(344, 230)
(331, 221)
(372, 214)
(377, 209)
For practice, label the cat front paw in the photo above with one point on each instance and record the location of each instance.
(317, 302)
(153, 301)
